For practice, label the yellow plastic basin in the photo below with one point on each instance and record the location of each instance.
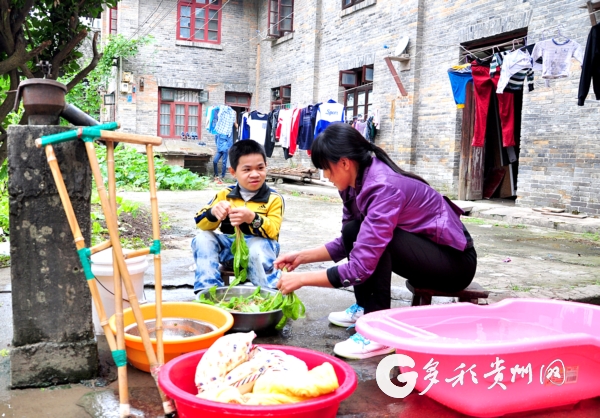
(136, 355)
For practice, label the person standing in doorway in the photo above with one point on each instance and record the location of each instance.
(223, 139)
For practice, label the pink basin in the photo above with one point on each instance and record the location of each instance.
(176, 378)
(486, 361)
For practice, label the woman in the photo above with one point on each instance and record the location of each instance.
(393, 221)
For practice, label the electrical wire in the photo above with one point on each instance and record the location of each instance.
(144, 22)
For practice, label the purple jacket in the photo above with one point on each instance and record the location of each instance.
(385, 200)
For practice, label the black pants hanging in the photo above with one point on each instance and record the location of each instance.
(421, 261)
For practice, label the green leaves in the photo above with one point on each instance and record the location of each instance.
(292, 308)
(241, 255)
(131, 171)
(290, 304)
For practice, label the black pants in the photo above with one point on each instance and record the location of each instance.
(421, 261)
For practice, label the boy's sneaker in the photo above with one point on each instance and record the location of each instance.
(358, 347)
(348, 317)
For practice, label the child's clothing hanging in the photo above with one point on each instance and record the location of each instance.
(460, 76)
(512, 63)
(258, 126)
(591, 66)
(328, 113)
(557, 57)
(517, 80)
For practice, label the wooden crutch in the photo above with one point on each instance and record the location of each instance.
(119, 355)
(112, 193)
(88, 134)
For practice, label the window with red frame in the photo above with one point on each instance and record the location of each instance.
(199, 20)
(359, 88)
(350, 3)
(280, 17)
(179, 112)
(112, 23)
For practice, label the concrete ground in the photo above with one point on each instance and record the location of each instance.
(517, 258)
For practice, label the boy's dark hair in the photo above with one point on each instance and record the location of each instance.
(245, 147)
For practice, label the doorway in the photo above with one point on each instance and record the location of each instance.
(490, 171)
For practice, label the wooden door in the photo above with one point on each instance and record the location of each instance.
(471, 165)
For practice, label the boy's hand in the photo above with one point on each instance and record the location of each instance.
(241, 215)
(221, 210)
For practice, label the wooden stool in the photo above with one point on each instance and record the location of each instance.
(225, 274)
(472, 294)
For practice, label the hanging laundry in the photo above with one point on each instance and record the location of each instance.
(517, 80)
(208, 117)
(305, 130)
(591, 66)
(371, 130)
(244, 127)
(258, 126)
(557, 57)
(328, 113)
(226, 121)
(361, 127)
(484, 87)
(284, 127)
(460, 76)
(512, 63)
(294, 131)
(271, 130)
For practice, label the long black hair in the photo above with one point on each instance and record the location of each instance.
(340, 140)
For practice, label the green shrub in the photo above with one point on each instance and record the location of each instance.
(131, 171)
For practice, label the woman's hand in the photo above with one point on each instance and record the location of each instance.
(221, 210)
(289, 282)
(288, 261)
(241, 215)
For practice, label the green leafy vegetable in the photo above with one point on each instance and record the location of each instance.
(241, 255)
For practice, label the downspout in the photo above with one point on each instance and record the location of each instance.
(257, 87)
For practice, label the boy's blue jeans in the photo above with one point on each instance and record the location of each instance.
(211, 248)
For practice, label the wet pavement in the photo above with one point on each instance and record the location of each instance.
(515, 260)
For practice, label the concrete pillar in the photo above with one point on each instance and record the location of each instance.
(53, 339)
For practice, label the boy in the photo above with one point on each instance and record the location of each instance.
(251, 205)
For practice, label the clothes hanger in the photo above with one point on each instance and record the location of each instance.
(560, 34)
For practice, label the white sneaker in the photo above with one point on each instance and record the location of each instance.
(358, 347)
(348, 317)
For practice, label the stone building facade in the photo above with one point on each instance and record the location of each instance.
(557, 155)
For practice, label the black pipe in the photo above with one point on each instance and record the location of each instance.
(77, 117)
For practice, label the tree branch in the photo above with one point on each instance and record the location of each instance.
(9, 101)
(21, 56)
(65, 51)
(21, 15)
(26, 71)
(83, 73)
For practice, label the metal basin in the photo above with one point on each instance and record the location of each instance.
(248, 321)
(174, 328)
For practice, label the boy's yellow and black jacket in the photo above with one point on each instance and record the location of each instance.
(267, 203)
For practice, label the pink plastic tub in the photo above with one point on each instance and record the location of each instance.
(516, 355)
(176, 378)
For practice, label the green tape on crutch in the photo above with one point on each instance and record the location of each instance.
(155, 247)
(84, 257)
(88, 134)
(120, 357)
(59, 137)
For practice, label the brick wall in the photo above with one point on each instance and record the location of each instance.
(421, 131)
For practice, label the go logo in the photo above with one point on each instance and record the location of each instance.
(382, 376)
